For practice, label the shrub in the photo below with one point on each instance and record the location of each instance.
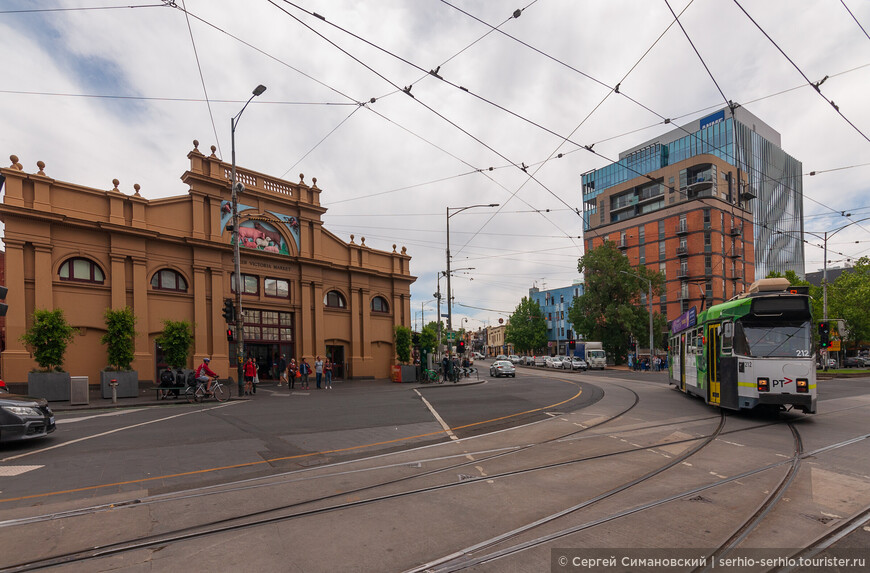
(120, 337)
(402, 337)
(48, 337)
(175, 340)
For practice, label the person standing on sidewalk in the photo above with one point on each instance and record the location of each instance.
(250, 371)
(305, 370)
(292, 371)
(282, 370)
(327, 371)
(318, 371)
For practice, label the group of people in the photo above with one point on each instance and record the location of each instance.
(452, 367)
(290, 371)
(659, 363)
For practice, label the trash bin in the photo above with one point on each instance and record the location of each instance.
(78, 390)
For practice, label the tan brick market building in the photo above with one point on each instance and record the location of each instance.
(306, 292)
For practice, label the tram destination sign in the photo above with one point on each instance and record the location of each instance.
(685, 320)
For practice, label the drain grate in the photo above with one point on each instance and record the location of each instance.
(701, 499)
(820, 518)
(466, 477)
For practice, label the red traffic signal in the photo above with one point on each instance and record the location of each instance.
(460, 347)
(824, 335)
(230, 336)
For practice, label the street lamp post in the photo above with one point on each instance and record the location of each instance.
(649, 300)
(240, 322)
(456, 210)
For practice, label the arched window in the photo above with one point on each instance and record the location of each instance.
(334, 299)
(379, 304)
(167, 279)
(81, 270)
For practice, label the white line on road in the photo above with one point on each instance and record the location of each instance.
(10, 458)
(444, 425)
(82, 419)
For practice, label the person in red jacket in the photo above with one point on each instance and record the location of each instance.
(205, 374)
(250, 372)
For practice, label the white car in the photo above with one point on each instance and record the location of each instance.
(514, 359)
(477, 356)
(578, 363)
(554, 362)
(501, 357)
(540, 360)
(502, 368)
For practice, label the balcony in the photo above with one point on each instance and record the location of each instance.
(734, 253)
(683, 272)
(622, 244)
(736, 275)
(708, 271)
(682, 251)
(736, 231)
(682, 228)
(684, 295)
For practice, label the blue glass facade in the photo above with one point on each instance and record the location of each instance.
(554, 305)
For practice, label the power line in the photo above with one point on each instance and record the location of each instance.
(202, 79)
(854, 18)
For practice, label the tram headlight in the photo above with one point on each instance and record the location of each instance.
(803, 386)
(763, 385)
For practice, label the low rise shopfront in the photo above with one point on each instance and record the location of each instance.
(305, 291)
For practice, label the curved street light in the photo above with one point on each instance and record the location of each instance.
(240, 322)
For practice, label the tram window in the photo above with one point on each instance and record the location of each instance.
(727, 333)
(780, 339)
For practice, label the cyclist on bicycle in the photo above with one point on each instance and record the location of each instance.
(205, 374)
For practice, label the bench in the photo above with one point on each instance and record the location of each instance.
(164, 391)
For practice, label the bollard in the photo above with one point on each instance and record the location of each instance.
(114, 385)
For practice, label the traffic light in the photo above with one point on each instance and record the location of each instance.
(415, 339)
(572, 345)
(3, 306)
(824, 335)
(230, 336)
(229, 311)
(460, 348)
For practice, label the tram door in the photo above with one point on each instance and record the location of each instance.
(714, 349)
(682, 372)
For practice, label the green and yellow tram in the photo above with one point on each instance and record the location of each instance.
(756, 350)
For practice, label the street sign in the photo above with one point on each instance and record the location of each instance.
(835, 346)
(451, 335)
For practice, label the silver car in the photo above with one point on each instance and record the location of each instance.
(554, 362)
(502, 368)
(578, 363)
(514, 359)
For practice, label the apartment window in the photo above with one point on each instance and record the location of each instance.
(250, 284)
(661, 250)
(168, 279)
(663, 269)
(683, 225)
(279, 288)
(641, 235)
(334, 299)
(81, 270)
(707, 216)
(683, 245)
(661, 230)
(643, 298)
(663, 309)
(622, 238)
(379, 304)
(641, 256)
(706, 238)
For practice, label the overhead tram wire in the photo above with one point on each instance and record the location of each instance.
(324, 138)
(202, 79)
(814, 85)
(406, 90)
(83, 8)
(843, 2)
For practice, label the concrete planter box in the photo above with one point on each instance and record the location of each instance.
(53, 386)
(128, 383)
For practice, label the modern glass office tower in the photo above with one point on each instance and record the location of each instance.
(731, 157)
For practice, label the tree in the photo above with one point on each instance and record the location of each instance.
(175, 340)
(402, 337)
(609, 309)
(428, 337)
(849, 299)
(526, 328)
(48, 337)
(120, 337)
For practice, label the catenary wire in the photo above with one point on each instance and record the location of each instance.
(843, 2)
(202, 78)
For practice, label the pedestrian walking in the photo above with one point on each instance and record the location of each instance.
(318, 371)
(250, 371)
(327, 372)
(282, 370)
(304, 370)
(292, 373)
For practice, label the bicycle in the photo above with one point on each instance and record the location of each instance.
(220, 392)
(430, 376)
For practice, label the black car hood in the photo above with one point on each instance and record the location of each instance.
(19, 400)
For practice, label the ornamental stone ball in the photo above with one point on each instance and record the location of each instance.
(115, 182)
(136, 189)
(41, 165)
(196, 145)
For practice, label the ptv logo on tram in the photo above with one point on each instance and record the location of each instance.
(782, 382)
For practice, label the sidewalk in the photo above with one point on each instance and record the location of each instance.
(148, 397)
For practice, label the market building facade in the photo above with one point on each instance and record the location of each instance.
(305, 292)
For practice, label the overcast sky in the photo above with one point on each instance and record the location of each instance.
(122, 92)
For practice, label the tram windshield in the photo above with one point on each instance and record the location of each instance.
(759, 339)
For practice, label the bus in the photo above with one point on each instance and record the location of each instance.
(753, 351)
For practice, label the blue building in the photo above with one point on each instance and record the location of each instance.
(554, 305)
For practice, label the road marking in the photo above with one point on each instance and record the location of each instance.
(82, 419)
(732, 443)
(441, 421)
(64, 444)
(10, 471)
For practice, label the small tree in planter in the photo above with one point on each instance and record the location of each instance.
(47, 339)
(120, 339)
(175, 340)
(402, 338)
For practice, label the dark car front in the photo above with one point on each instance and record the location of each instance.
(24, 417)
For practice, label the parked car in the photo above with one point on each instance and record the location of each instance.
(501, 357)
(528, 360)
(540, 361)
(854, 362)
(566, 362)
(514, 359)
(554, 362)
(578, 363)
(24, 417)
(477, 356)
(502, 368)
